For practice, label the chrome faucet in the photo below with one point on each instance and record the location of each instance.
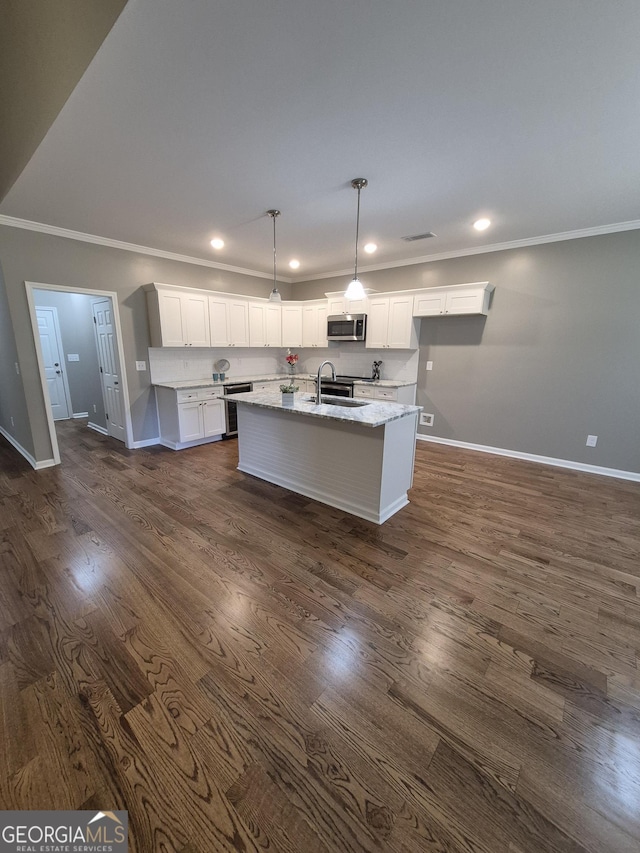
(319, 383)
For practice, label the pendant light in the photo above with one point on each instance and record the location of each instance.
(274, 296)
(355, 289)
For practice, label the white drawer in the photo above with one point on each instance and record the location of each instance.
(185, 396)
(364, 391)
(210, 393)
(266, 386)
(387, 394)
(370, 392)
(199, 393)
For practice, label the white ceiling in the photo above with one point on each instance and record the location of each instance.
(195, 117)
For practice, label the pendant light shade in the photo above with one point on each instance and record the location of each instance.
(274, 296)
(355, 290)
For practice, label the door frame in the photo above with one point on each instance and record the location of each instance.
(32, 286)
(61, 353)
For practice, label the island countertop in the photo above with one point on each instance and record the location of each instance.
(371, 414)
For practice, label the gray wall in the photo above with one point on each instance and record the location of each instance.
(13, 403)
(75, 317)
(557, 357)
(43, 258)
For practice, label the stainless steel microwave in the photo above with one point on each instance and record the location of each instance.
(347, 327)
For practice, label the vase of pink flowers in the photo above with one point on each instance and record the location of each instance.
(292, 360)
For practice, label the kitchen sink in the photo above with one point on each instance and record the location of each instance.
(347, 402)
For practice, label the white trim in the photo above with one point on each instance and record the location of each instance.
(32, 286)
(56, 231)
(44, 463)
(146, 442)
(596, 231)
(532, 457)
(98, 428)
(80, 415)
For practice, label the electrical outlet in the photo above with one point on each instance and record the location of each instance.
(426, 419)
(141, 365)
(95, 411)
(17, 368)
(12, 423)
(592, 440)
(429, 365)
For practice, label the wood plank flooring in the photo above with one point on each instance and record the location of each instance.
(243, 669)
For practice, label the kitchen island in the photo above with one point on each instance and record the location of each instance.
(352, 455)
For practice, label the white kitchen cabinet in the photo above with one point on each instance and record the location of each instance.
(454, 299)
(229, 322)
(314, 325)
(405, 394)
(268, 385)
(178, 318)
(291, 325)
(264, 324)
(190, 417)
(340, 305)
(390, 323)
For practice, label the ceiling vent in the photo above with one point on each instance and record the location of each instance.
(412, 237)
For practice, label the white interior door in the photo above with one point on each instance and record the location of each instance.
(109, 367)
(53, 356)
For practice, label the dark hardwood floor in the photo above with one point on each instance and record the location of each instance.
(246, 670)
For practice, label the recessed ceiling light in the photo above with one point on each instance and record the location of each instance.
(217, 243)
(481, 224)
(294, 264)
(370, 248)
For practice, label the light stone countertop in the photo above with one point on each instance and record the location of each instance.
(230, 380)
(276, 377)
(368, 415)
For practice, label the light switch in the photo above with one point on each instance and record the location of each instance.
(429, 365)
(73, 356)
(592, 440)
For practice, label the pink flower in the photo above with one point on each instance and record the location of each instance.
(292, 358)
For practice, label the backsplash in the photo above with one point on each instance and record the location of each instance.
(167, 364)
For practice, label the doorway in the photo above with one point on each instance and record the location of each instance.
(102, 392)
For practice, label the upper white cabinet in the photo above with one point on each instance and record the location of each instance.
(178, 318)
(229, 320)
(264, 324)
(314, 324)
(390, 323)
(291, 325)
(340, 305)
(455, 299)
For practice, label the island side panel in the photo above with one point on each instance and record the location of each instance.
(334, 462)
(397, 465)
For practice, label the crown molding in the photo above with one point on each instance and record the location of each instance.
(596, 231)
(56, 231)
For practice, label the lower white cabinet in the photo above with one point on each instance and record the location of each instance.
(405, 394)
(189, 417)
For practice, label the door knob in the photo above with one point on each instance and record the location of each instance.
(115, 383)
(58, 371)
(57, 364)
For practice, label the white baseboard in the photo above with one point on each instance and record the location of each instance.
(97, 428)
(80, 415)
(147, 442)
(532, 457)
(44, 463)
